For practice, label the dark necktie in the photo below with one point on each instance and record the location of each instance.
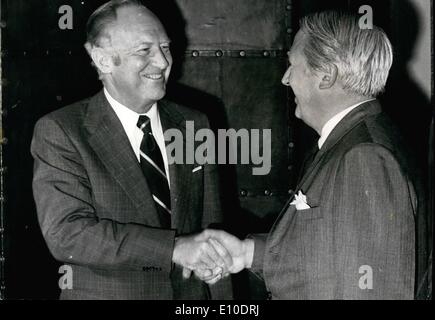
(153, 168)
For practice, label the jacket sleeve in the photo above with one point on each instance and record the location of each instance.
(70, 224)
(373, 226)
(259, 252)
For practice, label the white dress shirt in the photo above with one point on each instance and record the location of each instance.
(129, 120)
(334, 121)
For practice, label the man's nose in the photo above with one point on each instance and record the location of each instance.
(161, 59)
(286, 78)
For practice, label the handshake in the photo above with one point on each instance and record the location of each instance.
(212, 255)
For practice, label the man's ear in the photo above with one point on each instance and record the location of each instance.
(329, 78)
(102, 59)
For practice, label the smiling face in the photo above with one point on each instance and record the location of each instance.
(142, 60)
(304, 84)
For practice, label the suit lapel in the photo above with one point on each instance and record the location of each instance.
(111, 144)
(180, 174)
(344, 126)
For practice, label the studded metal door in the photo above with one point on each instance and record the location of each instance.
(236, 54)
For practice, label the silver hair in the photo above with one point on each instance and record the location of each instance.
(363, 56)
(98, 23)
(104, 16)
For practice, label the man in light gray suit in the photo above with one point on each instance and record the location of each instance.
(348, 231)
(109, 203)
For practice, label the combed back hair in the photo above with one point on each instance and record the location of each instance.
(104, 16)
(363, 56)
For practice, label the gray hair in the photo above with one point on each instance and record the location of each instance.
(363, 56)
(104, 16)
(98, 23)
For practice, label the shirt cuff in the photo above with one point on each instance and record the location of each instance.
(259, 251)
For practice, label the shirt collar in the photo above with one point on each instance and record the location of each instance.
(333, 122)
(128, 116)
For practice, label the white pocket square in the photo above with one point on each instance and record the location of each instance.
(197, 169)
(300, 202)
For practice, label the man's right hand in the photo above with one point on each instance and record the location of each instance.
(197, 253)
(241, 251)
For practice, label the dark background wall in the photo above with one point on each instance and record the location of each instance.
(229, 60)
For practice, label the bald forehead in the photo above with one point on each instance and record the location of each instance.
(136, 14)
(134, 23)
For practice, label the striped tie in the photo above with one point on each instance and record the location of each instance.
(151, 162)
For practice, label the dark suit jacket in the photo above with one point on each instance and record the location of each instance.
(362, 214)
(96, 211)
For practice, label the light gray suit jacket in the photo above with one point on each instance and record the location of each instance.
(357, 239)
(96, 211)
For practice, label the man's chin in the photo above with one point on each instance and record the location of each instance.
(156, 96)
(297, 113)
(155, 89)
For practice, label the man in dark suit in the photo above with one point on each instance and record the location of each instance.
(110, 204)
(348, 232)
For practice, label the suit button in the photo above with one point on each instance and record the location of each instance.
(269, 295)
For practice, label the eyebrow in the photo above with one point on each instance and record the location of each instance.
(138, 44)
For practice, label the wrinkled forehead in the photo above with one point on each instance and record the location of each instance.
(136, 24)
